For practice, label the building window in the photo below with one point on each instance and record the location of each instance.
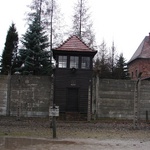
(136, 72)
(62, 62)
(131, 74)
(74, 62)
(85, 63)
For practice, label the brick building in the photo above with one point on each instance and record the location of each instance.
(139, 64)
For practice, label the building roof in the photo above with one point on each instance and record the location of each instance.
(74, 44)
(143, 50)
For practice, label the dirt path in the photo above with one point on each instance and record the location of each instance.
(92, 144)
(72, 144)
(108, 135)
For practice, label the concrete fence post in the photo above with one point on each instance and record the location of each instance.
(96, 96)
(89, 102)
(136, 103)
(8, 93)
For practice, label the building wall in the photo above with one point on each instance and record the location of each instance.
(137, 66)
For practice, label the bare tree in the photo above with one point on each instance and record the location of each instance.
(102, 62)
(55, 23)
(82, 24)
(112, 56)
(50, 17)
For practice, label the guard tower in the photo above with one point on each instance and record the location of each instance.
(73, 76)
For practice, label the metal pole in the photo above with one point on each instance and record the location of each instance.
(54, 123)
(54, 127)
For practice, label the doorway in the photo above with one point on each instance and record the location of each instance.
(72, 100)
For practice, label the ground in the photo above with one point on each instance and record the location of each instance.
(35, 133)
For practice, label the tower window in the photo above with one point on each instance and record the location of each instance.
(85, 64)
(62, 61)
(74, 62)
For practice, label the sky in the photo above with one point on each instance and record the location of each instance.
(126, 22)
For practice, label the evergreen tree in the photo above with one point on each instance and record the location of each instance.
(82, 25)
(10, 50)
(34, 57)
(119, 70)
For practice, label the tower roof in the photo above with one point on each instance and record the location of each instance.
(74, 43)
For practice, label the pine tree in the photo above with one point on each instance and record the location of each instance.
(34, 56)
(10, 50)
(82, 25)
(119, 70)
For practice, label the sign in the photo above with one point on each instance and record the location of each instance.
(54, 111)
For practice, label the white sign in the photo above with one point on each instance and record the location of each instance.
(54, 111)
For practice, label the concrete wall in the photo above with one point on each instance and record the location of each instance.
(115, 98)
(30, 95)
(144, 99)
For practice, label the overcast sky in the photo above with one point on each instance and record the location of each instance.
(126, 22)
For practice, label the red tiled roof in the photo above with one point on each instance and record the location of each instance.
(74, 44)
(143, 50)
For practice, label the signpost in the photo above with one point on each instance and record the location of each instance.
(54, 112)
